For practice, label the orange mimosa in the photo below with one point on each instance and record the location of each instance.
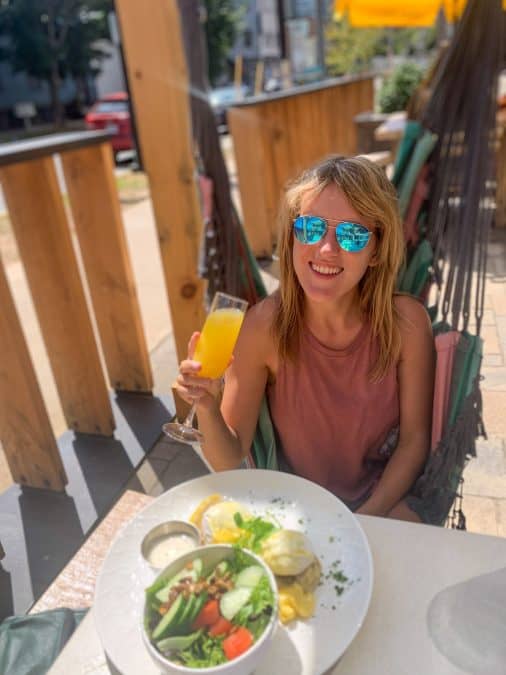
(217, 340)
(214, 351)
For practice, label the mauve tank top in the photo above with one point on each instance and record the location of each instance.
(335, 426)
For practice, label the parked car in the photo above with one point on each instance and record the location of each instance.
(222, 98)
(112, 112)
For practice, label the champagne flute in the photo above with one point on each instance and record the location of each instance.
(214, 351)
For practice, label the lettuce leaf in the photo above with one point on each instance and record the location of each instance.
(260, 602)
(206, 651)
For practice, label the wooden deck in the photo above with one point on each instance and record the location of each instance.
(41, 530)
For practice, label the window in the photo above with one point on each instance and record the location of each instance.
(111, 106)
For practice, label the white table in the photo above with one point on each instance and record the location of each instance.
(411, 564)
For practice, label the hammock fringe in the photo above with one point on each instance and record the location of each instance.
(439, 488)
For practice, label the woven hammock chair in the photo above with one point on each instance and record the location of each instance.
(226, 260)
(447, 215)
(445, 178)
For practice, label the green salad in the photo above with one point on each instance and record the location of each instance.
(201, 618)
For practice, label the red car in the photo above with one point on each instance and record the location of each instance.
(112, 112)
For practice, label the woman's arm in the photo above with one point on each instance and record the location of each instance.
(416, 389)
(228, 432)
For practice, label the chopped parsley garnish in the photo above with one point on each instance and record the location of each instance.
(338, 577)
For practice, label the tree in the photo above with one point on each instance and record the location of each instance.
(41, 37)
(350, 49)
(221, 25)
(84, 54)
(399, 87)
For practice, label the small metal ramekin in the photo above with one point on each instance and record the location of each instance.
(168, 529)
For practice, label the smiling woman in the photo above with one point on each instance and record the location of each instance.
(346, 364)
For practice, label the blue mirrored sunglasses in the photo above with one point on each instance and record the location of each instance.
(351, 237)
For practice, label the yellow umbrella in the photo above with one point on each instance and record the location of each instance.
(398, 13)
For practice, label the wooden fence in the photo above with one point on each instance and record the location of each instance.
(276, 137)
(39, 222)
(159, 86)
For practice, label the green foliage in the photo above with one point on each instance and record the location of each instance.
(398, 88)
(223, 18)
(49, 39)
(83, 55)
(350, 50)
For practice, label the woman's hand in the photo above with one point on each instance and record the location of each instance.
(201, 391)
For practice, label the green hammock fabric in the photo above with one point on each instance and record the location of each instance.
(412, 131)
(424, 146)
(263, 449)
(465, 372)
(414, 277)
(30, 644)
(435, 491)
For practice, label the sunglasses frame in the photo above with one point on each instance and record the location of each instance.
(339, 223)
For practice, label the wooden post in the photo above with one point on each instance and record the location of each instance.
(286, 74)
(238, 71)
(89, 175)
(159, 84)
(500, 219)
(40, 226)
(251, 169)
(25, 430)
(259, 77)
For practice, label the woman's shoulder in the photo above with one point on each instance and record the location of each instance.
(413, 320)
(256, 333)
(261, 315)
(411, 310)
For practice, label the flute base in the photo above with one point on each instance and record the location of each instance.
(182, 433)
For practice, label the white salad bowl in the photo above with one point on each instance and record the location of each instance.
(244, 664)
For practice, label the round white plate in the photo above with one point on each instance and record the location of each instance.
(305, 648)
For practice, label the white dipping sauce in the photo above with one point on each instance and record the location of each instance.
(168, 547)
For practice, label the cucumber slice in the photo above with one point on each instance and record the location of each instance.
(155, 587)
(249, 576)
(218, 570)
(201, 601)
(198, 566)
(234, 600)
(183, 621)
(178, 642)
(169, 620)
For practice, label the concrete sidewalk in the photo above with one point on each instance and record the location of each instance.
(485, 476)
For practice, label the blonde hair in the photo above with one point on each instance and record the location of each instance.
(371, 194)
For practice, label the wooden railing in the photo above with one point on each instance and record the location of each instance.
(39, 223)
(276, 137)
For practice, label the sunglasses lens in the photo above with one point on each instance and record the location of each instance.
(352, 237)
(309, 229)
